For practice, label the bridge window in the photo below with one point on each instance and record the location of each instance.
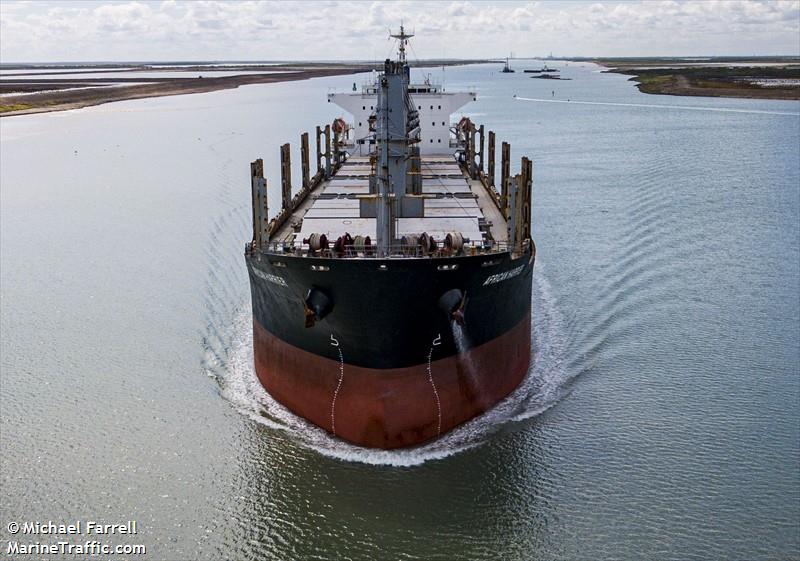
(440, 107)
(364, 107)
(440, 141)
(433, 124)
(443, 124)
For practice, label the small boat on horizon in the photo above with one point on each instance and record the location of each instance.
(544, 68)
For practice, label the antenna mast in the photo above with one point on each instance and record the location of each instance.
(403, 38)
(397, 131)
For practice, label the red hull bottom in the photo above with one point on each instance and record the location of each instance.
(397, 407)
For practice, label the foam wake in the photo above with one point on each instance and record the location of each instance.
(542, 388)
(661, 106)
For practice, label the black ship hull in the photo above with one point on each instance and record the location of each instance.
(388, 366)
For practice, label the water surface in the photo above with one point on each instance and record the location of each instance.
(659, 420)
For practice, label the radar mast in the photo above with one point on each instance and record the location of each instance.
(403, 38)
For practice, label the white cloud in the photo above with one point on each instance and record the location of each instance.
(226, 30)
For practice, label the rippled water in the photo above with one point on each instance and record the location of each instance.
(659, 419)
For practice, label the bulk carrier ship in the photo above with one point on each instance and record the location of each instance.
(391, 293)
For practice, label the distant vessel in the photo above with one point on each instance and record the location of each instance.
(550, 77)
(542, 69)
(392, 294)
(507, 69)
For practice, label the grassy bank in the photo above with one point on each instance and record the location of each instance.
(8, 107)
(757, 79)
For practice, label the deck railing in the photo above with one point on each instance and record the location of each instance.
(397, 251)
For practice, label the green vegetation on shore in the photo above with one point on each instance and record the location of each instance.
(5, 107)
(762, 78)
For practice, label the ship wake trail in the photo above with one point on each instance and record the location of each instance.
(661, 106)
(226, 280)
(544, 385)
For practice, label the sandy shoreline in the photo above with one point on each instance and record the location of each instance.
(66, 98)
(63, 100)
(653, 76)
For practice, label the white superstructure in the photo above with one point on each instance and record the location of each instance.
(435, 107)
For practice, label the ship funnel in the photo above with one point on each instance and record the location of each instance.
(454, 303)
(317, 305)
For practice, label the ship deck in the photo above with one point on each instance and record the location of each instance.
(456, 203)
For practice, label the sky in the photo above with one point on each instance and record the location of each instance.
(171, 30)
